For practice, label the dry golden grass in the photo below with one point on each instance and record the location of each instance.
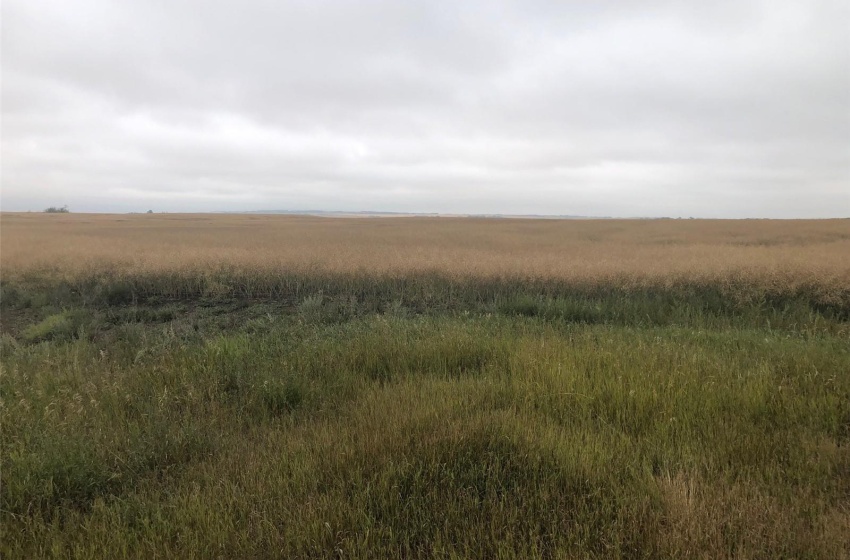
(770, 253)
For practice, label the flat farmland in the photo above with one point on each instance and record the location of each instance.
(810, 252)
(244, 386)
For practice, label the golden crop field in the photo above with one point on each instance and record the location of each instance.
(768, 252)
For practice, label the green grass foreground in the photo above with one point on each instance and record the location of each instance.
(519, 424)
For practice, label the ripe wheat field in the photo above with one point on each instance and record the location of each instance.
(768, 252)
(247, 386)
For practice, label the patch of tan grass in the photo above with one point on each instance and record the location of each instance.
(736, 520)
(778, 255)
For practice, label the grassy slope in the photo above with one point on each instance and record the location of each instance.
(423, 422)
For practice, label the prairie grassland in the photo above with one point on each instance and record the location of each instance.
(294, 387)
(773, 253)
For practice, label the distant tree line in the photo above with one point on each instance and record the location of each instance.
(57, 210)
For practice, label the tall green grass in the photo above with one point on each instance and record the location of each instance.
(416, 417)
(333, 297)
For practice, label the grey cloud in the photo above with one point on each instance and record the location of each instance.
(611, 108)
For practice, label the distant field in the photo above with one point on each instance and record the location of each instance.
(768, 251)
(243, 386)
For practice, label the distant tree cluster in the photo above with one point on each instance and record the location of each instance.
(57, 210)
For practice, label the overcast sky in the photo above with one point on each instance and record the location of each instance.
(736, 108)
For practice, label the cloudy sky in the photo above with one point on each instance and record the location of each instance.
(737, 108)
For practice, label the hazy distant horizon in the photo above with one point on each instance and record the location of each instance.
(378, 214)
